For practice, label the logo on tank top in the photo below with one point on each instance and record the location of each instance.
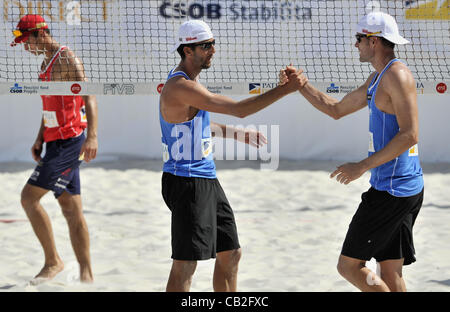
(50, 119)
(83, 114)
(371, 145)
(413, 151)
(206, 147)
(166, 155)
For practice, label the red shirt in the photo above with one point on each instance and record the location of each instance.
(64, 115)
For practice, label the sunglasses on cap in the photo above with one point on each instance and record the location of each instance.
(360, 36)
(205, 45)
(20, 32)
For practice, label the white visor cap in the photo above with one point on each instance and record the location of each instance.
(380, 24)
(191, 32)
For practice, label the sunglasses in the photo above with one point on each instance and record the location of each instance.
(360, 36)
(17, 33)
(205, 45)
(20, 32)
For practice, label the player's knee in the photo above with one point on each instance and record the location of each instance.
(390, 275)
(28, 201)
(236, 256)
(229, 260)
(70, 206)
(68, 213)
(341, 268)
(346, 268)
(71, 214)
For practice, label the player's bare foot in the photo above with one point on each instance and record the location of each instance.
(86, 275)
(47, 273)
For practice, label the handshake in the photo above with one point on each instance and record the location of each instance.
(293, 78)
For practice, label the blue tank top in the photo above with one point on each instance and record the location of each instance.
(187, 146)
(401, 176)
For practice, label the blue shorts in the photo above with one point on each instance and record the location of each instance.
(59, 170)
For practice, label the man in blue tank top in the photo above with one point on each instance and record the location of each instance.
(203, 224)
(382, 226)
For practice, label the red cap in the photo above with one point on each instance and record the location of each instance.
(28, 24)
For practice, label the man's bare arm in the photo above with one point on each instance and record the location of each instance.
(334, 108)
(195, 95)
(36, 149)
(75, 72)
(248, 136)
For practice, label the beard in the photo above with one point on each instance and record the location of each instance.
(206, 65)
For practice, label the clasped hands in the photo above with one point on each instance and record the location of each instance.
(292, 77)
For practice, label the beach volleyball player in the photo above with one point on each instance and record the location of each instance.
(62, 128)
(382, 227)
(203, 224)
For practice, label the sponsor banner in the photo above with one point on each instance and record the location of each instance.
(422, 87)
(428, 10)
(238, 11)
(337, 87)
(27, 88)
(77, 12)
(433, 87)
(238, 88)
(442, 88)
(260, 87)
(77, 88)
(47, 88)
(119, 89)
(226, 88)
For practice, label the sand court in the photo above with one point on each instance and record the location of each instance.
(291, 223)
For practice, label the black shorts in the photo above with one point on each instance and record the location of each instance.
(382, 227)
(59, 170)
(202, 219)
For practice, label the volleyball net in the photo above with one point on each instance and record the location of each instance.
(124, 45)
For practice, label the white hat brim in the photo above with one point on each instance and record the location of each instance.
(396, 39)
(175, 47)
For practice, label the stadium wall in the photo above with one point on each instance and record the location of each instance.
(130, 126)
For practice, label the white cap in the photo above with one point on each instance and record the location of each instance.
(191, 32)
(381, 25)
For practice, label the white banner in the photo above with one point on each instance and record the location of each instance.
(241, 88)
